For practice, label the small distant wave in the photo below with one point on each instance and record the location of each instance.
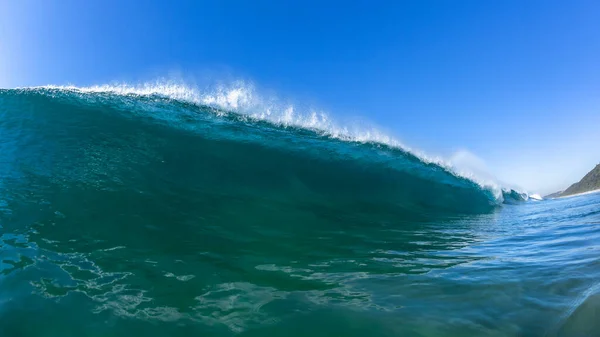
(511, 196)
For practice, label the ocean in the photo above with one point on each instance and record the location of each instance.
(161, 211)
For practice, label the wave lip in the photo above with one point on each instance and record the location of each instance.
(240, 98)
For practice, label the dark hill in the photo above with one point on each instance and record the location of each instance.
(589, 182)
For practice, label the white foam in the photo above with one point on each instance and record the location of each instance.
(536, 197)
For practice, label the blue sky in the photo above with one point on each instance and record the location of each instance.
(516, 83)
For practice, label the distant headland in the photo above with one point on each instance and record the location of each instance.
(589, 182)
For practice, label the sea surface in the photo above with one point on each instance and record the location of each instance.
(159, 212)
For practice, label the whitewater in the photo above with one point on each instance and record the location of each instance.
(165, 210)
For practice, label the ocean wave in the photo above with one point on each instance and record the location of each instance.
(239, 104)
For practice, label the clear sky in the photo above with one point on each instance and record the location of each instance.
(516, 83)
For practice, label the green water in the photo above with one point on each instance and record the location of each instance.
(144, 216)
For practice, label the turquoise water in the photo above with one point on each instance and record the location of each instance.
(129, 215)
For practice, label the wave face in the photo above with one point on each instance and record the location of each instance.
(104, 136)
